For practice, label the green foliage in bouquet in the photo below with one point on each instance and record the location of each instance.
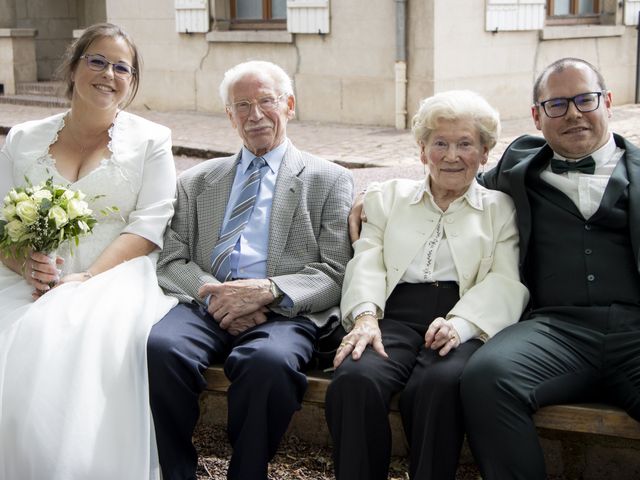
(41, 217)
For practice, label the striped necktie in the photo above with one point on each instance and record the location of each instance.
(240, 214)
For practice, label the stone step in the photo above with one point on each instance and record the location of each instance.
(48, 88)
(35, 100)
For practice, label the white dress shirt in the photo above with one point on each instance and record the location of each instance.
(585, 190)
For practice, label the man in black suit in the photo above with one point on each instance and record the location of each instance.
(577, 196)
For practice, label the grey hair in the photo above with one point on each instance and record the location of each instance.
(282, 81)
(455, 105)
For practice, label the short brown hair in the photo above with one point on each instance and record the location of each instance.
(561, 65)
(77, 48)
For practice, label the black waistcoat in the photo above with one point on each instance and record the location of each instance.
(576, 262)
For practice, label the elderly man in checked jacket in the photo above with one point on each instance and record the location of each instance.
(256, 254)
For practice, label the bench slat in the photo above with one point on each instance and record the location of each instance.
(584, 418)
(588, 418)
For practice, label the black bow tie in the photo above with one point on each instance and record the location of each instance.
(586, 165)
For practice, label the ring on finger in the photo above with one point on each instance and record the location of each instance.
(33, 274)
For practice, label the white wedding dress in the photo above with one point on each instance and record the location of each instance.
(74, 400)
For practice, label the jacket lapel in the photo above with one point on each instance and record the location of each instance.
(286, 198)
(417, 224)
(517, 176)
(211, 205)
(632, 162)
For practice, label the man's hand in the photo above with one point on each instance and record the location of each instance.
(356, 217)
(365, 332)
(245, 322)
(441, 336)
(232, 300)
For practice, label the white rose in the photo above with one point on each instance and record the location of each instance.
(7, 200)
(68, 194)
(18, 197)
(27, 210)
(16, 230)
(42, 194)
(58, 215)
(76, 207)
(9, 211)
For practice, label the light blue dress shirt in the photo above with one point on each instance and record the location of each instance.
(249, 257)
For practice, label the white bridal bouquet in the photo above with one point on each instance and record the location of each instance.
(41, 217)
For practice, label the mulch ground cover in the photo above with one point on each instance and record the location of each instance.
(296, 460)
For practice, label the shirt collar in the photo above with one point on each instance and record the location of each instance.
(473, 195)
(602, 156)
(272, 157)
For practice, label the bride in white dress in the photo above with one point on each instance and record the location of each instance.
(73, 378)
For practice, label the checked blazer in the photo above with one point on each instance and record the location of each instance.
(308, 239)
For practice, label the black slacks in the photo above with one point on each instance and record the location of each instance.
(357, 402)
(264, 365)
(561, 355)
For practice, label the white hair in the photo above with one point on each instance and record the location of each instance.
(454, 105)
(282, 81)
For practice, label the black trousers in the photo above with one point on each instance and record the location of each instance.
(264, 365)
(564, 355)
(357, 402)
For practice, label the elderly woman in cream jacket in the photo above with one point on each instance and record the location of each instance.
(434, 275)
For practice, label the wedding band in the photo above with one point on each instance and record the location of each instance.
(33, 274)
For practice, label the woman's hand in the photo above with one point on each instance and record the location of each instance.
(365, 332)
(356, 217)
(441, 336)
(41, 272)
(76, 277)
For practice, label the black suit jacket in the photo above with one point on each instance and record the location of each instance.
(529, 152)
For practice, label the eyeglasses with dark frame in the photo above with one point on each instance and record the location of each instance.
(558, 107)
(98, 63)
(266, 104)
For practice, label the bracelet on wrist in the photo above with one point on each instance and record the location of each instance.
(364, 314)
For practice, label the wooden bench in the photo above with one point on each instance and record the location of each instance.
(582, 418)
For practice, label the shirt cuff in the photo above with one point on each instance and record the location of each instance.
(286, 302)
(363, 307)
(465, 329)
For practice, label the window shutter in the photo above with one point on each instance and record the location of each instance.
(308, 16)
(515, 15)
(192, 16)
(631, 9)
